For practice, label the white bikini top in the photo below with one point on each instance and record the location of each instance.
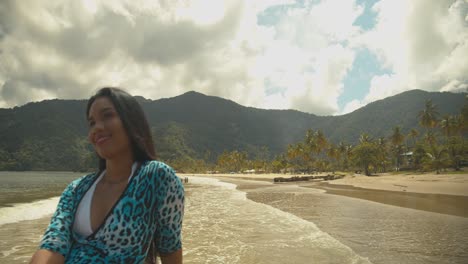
(82, 224)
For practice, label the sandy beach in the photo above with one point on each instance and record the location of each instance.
(450, 184)
(249, 219)
(381, 224)
(438, 193)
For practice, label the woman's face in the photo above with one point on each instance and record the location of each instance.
(106, 131)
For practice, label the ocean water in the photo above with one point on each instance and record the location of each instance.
(30, 195)
(384, 233)
(221, 225)
(27, 200)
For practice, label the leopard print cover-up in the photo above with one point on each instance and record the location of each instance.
(149, 211)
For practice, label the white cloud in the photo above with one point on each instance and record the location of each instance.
(455, 86)
(164, 48)
(157, 49)
(352, 106)
(69, 48)
(307, 62)
(424, 44)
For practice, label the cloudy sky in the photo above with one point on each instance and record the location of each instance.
(325, 57)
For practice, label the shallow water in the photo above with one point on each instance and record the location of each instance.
(276, 224)
(221, 226)
(383, 233)
(25, 187)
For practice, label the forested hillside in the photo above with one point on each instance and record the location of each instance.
(51, 135)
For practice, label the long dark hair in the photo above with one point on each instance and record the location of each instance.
(134, 122)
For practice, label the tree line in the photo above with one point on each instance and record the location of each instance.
(438, 143)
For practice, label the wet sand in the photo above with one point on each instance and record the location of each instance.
(451, 184)
(456, 205)
(444, 201)
(439, 193)
(384, 233)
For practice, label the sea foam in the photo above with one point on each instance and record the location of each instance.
(28, 211)
(225, 227)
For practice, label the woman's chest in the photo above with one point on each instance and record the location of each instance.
(128, 225)
(105, 198)
(121, 213)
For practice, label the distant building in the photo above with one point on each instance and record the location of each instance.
(406, 161)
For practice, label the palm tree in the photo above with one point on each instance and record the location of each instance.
(315, 142)
(342, 151)
(365, 155)
(459, 124)
(364, 137)
(430, 138)
(436, 157)
(452, 126)
(322, 141)
(310, 142)
(382, 152)
(413, 134)
(428, 116)
(348, 154)
(279, 163)
(447, 125)
(299, 155)
(455, 148)
(334, 154)
(464, 116)
(310, 137)
(397, 139)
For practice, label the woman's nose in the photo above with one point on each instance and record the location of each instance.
(98, 126)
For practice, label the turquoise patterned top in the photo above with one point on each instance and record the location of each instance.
(149, 210)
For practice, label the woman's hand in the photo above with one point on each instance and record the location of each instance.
(172, 258)
(43, 256)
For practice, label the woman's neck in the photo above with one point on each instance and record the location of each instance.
(118, 169)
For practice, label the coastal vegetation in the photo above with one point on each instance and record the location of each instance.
(443, 145)
(415, 130)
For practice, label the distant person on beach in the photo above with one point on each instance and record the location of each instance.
(131, 210)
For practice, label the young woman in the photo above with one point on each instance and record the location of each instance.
(131, 210)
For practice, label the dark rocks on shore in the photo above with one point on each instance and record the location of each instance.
(307, 178)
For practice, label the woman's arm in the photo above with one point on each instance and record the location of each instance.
(43, 256)
(172, 258)
(170, 214)
(56, 241)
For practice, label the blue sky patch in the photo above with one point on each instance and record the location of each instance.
(357, 81)
(368, 18)
(271, 15)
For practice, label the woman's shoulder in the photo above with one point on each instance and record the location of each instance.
(160, 169)
(158, 165)
(81, 180)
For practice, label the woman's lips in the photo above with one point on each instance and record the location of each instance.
(101, 140)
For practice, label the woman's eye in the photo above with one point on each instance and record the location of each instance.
(108, 115)
(91, 123)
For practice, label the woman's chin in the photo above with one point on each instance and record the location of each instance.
(104, 154)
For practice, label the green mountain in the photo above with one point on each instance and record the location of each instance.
(52, 134)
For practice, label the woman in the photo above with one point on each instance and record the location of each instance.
(130, 210)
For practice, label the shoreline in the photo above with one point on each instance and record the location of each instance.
(429, 183)
(456, 205)
(374, 230)
(437, 193)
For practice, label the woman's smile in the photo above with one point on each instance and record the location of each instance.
(106, 131)
(101, 139)
(120, 135)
